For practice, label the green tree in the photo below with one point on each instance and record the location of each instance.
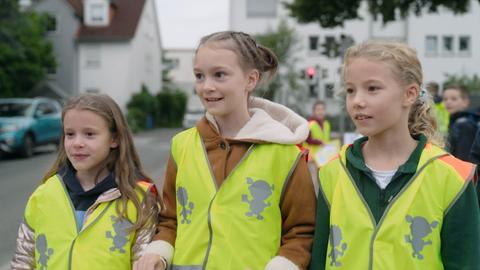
(472, 83)
(25, 54)
(334, 13)
(283, 41)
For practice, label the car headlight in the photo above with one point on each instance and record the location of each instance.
(10, 128)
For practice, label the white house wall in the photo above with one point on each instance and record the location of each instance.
(146, 52)
(114, 74)
(124, 66)
(182, 71)
(435, 67)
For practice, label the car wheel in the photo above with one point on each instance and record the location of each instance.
(28, 145)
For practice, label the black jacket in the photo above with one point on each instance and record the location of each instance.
(461, 133)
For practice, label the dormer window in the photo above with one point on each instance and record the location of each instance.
(96, 12)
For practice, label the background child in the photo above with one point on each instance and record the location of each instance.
(463, 122)
(319, 129)
(91, 211)
(238, 194)
(441, 114)
(394, 199)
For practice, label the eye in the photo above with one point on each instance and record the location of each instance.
(349, 91)
(198, 76)
(373, 88)
(68, 134)
(89, 134)
(220, 74)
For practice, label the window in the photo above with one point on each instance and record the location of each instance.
(431, 45)
(329, 90)
(92, 57)
(171, 63)
(464, 45)
(51, 23)
(45, 108)
(313, 43)
(97, 13)
(261, 8)
(92, 90)
(447, 45)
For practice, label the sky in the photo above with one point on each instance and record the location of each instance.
(184, 22)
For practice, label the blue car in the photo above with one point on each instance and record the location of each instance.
(28, 122)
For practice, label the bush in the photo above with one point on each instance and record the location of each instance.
(136, 119)
(172, 105)
(141, 107)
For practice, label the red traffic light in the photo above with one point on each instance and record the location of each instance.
(311, 72)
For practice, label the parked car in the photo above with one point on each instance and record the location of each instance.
(28, 122)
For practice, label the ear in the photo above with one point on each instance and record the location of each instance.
(252, 79)
(114, 143)
(411, 94)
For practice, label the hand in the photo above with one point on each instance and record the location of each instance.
(149, 261)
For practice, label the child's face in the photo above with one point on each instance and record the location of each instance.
(87, 140)
(319, 111)
(453, 100)
(221, 83)
(375, 101)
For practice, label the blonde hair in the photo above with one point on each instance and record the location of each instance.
(123, 160)
(407, 69)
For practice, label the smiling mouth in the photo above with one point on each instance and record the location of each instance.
(213, 99)
(362, 117)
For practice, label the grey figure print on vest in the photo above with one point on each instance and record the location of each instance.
(187, 207)
(120, 227)
(338, 248)
(260, 191)
(44, 252)
(419, 229)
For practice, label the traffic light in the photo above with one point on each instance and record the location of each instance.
(310, 73)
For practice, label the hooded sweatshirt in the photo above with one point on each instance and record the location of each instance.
(269, 123)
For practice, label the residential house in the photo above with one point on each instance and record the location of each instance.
(104, 46)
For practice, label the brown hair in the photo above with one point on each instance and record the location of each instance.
(251, 55)
(318, 102)
(407, 68)
(460, 88)
(123, 160)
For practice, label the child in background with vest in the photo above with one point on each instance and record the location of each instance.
(319, 129)
(463, 122)
(237, 192)
(394, 199)
(96, 208)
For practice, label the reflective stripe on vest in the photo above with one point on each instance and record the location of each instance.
(236, 226)
(103, 242)
(408, 234)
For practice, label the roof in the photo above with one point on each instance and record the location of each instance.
(125, 16)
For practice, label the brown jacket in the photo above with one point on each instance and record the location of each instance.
(298, 206)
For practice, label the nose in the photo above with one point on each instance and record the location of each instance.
(358, 99)
(208, 84)
(78, 142)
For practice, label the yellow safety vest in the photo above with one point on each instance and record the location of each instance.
(443, 118)
(318, 133)
(103, 241)
(237, 225)
(408, 234)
